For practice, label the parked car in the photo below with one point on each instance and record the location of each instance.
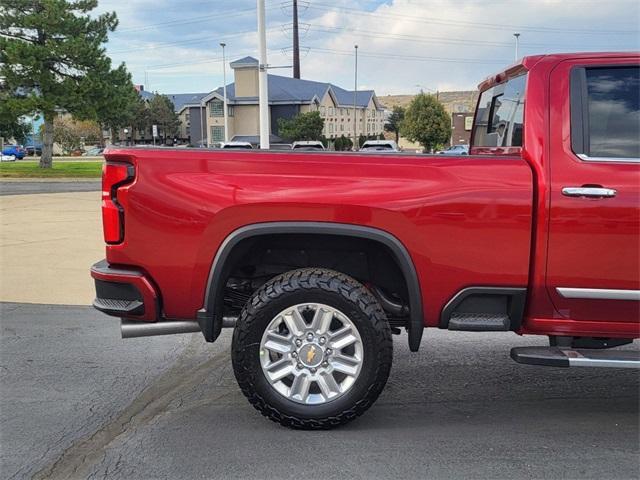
(7, 158)
(316, 263)
(237, 145)
(379, 146)
(280, 146)
(309, 145)
(455, 150)
(33, 150)
(17, 151)
(93, 152)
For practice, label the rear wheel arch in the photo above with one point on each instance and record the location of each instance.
(210, 316)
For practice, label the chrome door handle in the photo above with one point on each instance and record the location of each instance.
(592, 192)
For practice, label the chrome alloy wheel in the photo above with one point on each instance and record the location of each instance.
(311, 353)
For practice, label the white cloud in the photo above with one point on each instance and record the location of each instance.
(402, 43)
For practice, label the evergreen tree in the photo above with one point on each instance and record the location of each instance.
(52, 59)
(394, 121)
(162, 114)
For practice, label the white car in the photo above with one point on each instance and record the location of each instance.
(455, 150)
(379, 146)
(237, 145)
(310, 145)
(7, 158)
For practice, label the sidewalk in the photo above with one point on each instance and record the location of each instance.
(47, 244)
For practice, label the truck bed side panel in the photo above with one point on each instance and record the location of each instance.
(466, 221)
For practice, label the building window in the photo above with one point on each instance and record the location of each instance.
(322, 111)
(187, 117)
(342, 127)
(229, 111)
(217, 134)
(217, 109)
(331, 128)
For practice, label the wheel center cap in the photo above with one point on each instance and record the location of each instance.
(311, 355)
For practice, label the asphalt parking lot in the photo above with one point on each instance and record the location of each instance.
(23, 188)
(79, 402)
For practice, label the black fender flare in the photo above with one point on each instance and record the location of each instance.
(210, 316)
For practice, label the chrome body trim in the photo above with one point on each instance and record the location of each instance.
(599, 293)
(587, 158)
(603, 363)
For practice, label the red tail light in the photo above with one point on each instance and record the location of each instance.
(114, 175)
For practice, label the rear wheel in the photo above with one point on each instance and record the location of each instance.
(312, 349)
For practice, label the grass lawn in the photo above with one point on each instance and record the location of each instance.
(74, 169)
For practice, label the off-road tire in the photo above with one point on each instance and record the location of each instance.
(331, 288)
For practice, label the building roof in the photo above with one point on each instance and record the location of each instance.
(296, 90)
(244, 62)
(179, 100)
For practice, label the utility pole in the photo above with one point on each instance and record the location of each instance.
(355, 97)
(517, 35)
(296, 42)
(224, 93)
(263, 86)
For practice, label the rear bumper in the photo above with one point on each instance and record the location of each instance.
(125, 292)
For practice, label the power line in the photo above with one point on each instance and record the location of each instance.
(408, 57)
(186, 21)
(191, 41)
(426, 39)
(491, 26)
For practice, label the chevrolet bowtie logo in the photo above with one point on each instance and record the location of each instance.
(311, 353)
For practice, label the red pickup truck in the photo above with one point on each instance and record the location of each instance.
(316, 259)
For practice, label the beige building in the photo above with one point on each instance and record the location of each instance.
(288, 97)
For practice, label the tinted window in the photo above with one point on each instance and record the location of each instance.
(500, 116)
(613, 112)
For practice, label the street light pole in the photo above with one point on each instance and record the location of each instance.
(355, 96)
(201, 125)
(517, 35)
(224, 93)
(263, 87)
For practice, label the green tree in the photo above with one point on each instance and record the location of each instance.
(73, 134)
(52, 59)
(426, 122)
(304, 126)
(161, 113)
(120, 102)
(394, 121)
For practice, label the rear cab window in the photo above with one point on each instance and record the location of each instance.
(499, 118)
(605, 113)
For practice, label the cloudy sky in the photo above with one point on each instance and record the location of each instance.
(172, 46)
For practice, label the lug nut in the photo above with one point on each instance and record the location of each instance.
(298, 342)
(309, 337)
(294, 354)
(325, 364)
(299, 366)
(322, 340)
(328, 351)
(313, 370)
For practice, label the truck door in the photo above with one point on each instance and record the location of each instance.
(593, 264)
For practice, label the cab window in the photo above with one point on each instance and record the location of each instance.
(500, 115)
(605, 112)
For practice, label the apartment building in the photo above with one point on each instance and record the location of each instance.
(288, 97)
